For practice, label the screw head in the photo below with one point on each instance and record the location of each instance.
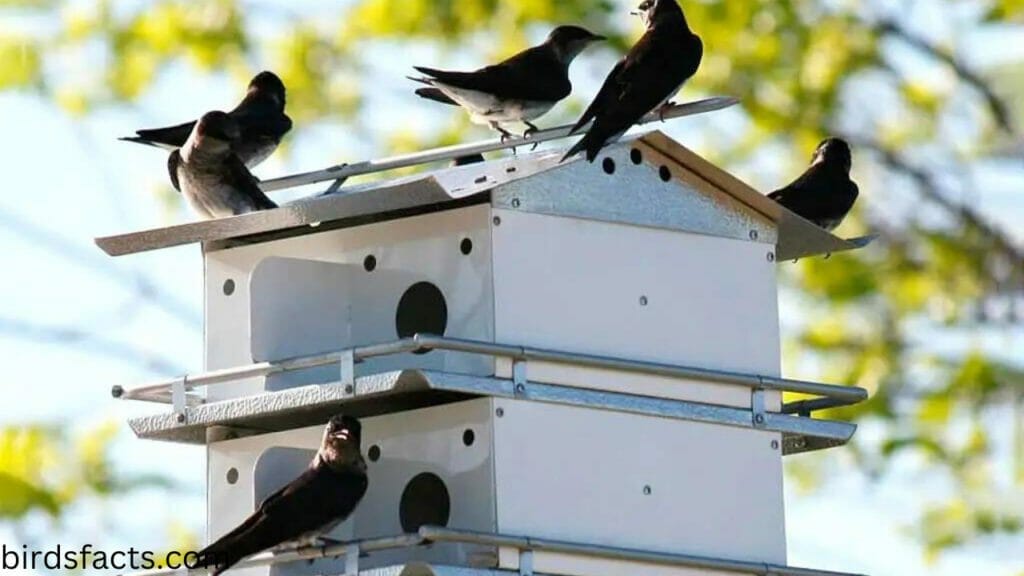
(647, 490)
(771, 256)
(496, 220)
(515, 202)
(775, 444)
(180, 417)
(643, 300)
(753, 235)
(759, 418)
(520, 388)
(499, 412)
(348, 389)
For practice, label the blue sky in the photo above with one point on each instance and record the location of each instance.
(68, 180)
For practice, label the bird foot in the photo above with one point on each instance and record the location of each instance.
(665, 108)
(827, 256)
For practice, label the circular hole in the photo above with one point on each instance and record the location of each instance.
(229, 287)
(609, 166)
(232, 475)
(636, 155)
(425, 502)
(665, 173)
(422, 310)
(468, 437)
(466, 246)
(373, 453)
(370, 263)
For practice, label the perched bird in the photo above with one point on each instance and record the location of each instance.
(213, 179)
(824, 193)
(314, 503)
(260, 117)
(520, 89)
(664, 58)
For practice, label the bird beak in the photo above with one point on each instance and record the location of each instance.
(598, 38)
(342, 434)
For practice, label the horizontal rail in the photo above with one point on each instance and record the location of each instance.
(435, 534)
(835, 395)
(343, 171)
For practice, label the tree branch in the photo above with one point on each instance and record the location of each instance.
(999, 109)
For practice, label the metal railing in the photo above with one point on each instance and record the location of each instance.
(526, 546)
(174, 391)
(339, 173)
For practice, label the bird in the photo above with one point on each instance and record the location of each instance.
(645, 79)
(260, 116)
(210, 175)
(824, 193)
(312, 504)
(519, 89)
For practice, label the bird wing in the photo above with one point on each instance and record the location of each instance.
(168, 137)
(173, 161)
(316, 498)
(533, 74)
(248, 184)
(818, 195)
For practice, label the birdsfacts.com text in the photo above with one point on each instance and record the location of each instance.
(86, 557)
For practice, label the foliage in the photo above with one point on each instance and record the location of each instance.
(802, 68)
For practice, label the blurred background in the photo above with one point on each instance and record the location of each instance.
(930, 318)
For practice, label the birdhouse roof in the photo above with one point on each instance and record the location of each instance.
(648, 180)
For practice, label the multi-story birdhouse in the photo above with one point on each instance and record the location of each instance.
(565, 369)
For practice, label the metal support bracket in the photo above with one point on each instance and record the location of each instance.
(526, 563)
(352, 560)
(178, 398)
(519, 379)
(757, 410)
(347, 371)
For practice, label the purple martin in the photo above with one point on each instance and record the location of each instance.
(322, 497)
(657, 66)
(824, 193)
(519, 89)
(260, 116)
(210, 175)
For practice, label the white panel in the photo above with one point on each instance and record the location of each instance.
(424, 247)
(428, 440)
(575, 565)
(580, 475)
(640, 293)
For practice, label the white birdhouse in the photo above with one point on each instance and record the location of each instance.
(560, 368)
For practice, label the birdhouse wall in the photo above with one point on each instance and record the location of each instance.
(527, 468)
(340, 288)
(639, 293)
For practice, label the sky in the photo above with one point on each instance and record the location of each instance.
(68, 180)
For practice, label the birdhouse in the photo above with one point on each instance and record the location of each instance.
(563, 369)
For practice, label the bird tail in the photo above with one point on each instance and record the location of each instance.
(436, 95)
(588, 143)
(147, 142)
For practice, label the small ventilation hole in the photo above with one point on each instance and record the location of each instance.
(609, 166)
(370, 263)
(636, 156)
(665, 173)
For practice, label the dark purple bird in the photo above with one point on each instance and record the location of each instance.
(314, 503)
(260, 117)
(647, 78)
(824, 193)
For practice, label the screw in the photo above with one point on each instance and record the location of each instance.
(643, 300)
(753, 234)
(499, 412)
(759, 418)
(497, 220)
(515, 202)
(647, 490)
(180, 417)
(348, 389)
(520, 389)
(771, 256)
(775, 444)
